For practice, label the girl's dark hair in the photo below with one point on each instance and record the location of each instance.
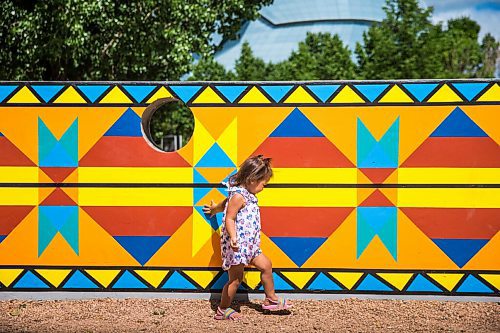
(255, 168)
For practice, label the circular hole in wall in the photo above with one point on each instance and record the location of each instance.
(168, 124)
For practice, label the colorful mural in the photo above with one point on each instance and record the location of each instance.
(379, 187)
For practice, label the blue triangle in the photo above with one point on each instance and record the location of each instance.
(470, 89)
(214, 221)
(277, 92)
(58, 157)
(139, 92)
(198, 177)
(93, 92)
(377, 158)
(322, 282)
(185, 93)
(5, 91)
(78, 280)
(141, 248)
(222, 280)
(299, 249)
(365, 142)
(371, 91)
(279, 284)
(420, 90)
(177, 281)
(460, 250)
(323, 92)
(458, 124)
(1, 134)
(371, 283)
(296, 125)
(199, 193)
(129, 124)
(215, 157)
(30, 280)
(231, 92)
(47, 91)
(128, 281)
(2, 237)
(421, 284)
(473, 285)
(69, 141)
(46, 230)
(46, 141)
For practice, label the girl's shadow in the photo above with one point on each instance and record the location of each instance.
(236, 305)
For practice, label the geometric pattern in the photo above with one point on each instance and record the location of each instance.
(386, 187)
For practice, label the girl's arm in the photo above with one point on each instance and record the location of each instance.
(213, 208)
(235, 204)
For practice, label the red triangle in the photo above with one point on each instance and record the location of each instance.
(11, 216)
(58, 198)
(129, 151)
(377, 175)
(377, 199)
(303, 153)
(57, 174)
(11, 155)
(139, 221)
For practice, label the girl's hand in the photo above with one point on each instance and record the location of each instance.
(210, 209)
(234, 244)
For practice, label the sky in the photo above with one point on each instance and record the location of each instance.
(485, 12)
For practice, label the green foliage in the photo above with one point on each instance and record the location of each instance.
(248, 67)
(172, 118)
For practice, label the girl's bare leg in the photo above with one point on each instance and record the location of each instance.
(229, 291)
(265, 267)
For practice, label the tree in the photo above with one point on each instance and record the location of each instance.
(490, 51)
(207, 69)
(248, 67)
(112, 39)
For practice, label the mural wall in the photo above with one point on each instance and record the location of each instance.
(380, 187)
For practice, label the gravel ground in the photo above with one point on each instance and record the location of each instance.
(168, 315)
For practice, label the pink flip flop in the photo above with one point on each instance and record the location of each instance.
(280, 304)
(227, 314)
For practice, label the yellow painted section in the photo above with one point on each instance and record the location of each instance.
(314, 176)
(445, 94)
(308, 197)
(135, 175)
(299, 278)
(202, 141)
(449, 197)
(18, 196)
(153, 277)
(300, 95)
(203, 278)
(23, 96)
(7, 276)
(18, 174)
(228, 141)
(254, 96)
(70, 96)
(347, 95)
(251, 278)
(447, 280)
(449, 175)
(54, 276)
(202, 232)
(116, 95)
(208, 96)
(491, 95)
(134, 196)
(103, 276)
(398, 280)
(396, 95)
(494, 279)
(348, 279)
(160, 93)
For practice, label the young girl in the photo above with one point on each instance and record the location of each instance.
(240, 236)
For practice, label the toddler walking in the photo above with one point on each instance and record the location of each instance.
(240, 236)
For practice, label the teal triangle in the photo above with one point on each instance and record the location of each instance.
(365, 142)
(364, 234)
(472, 285)
(6, 91)
(46, 230)
(390, 142)
(322, 282)
(296, 125)
(46, 92)
(323, 91)
(128, 281)
(388, 234)
(92, 92)
(177, 281)
(30, 280)
(420, 90)
(470, 89)
(79, 281)
(58, 157)
(185, 93)
(215, 157)
(421, 284)
(70, 230)
(138, 92)
(381, 221)
(277, 92)
(231, 92)
(69, 141)
(370, 283)
(279, 284)
(371, 91)
(46, 140)
(199, 192)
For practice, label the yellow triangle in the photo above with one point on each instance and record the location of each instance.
(160, 93)
(103, 276)
(445, 94)
(491, 95)
(398, 280)
(300, 95)
(348, 279)
(70, 96)
(203, 278)
(299, 278)
(486, 117)
(449, 281)
(251, 278)
(23, 96)
(396, 95)
(486, 258)
(347, 95)
(153, 277)
(202, 232)
(280, 259)
(215, 119)
(254, 96)
(116, 95)
(9, 275)
(208, 96)
(215, 175)
(493, 279)
(54, 276)
(202, 141)
(228, 141)
(379, 120)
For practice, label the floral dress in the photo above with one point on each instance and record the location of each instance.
(247, 231)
